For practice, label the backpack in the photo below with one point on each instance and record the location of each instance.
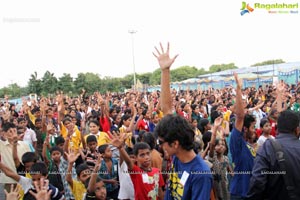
(284, 167)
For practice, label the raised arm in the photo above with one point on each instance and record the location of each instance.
(165, 63)
(239, 109)
(131, 125)
(46, 146)
(118, 141)
(60, 110)
(71, 159)
(280, 91)
(217, 124)
(92, 183)
(259, 105)
(104, 107)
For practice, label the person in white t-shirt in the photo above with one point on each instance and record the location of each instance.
(266, 130)
(29, 135)
(126, 186)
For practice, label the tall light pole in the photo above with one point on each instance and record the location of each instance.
(132, 32)
(257, 76)
(273, 73)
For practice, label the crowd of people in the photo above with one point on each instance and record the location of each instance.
(230, 143)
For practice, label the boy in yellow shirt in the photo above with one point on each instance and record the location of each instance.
(83, 174)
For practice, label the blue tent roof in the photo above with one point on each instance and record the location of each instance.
(257, 69)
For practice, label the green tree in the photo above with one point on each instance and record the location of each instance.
(65, 83)
(89, 81)
(93, 82)
(111, 84)
(144, 78)
(49, 84)
(155, 77)
(4, 91)
(15, 90)
(183, 73)
(79, 83)
(221, 67)
(268, 62)
(34, 84)
(127, 81)
(201, 71)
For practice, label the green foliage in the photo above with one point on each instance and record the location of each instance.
(34, 84)
(127, 81)
(155, 77)
(144, 78)
(92, 82)
(202, 71)
(183, 73)
(268, 62)
(221, 67)
(49, 83)
(111, 84)
(65, 83)
(13, 91)
(79, 83)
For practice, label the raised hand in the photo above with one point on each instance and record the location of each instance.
(42, 190)
(280, 89)
(6, 116)
(237, 80)
(59, 98)
(72, 157)
(14, 193)
(163, 57)
(99, 160)
(70, 129)
(133, 109)
(218, 121)
(118, 141)
(50, 126)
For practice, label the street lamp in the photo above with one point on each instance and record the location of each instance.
(257, 76)
(132, 32)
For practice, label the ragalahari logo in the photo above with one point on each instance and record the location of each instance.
(245, 8)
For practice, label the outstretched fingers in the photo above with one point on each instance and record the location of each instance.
(235, 76)
(174, 58)
(162, 48)
(168, 48)
(157, 51)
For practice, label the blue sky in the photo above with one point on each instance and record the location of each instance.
(92, 36)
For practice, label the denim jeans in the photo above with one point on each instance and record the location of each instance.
(2, 194)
